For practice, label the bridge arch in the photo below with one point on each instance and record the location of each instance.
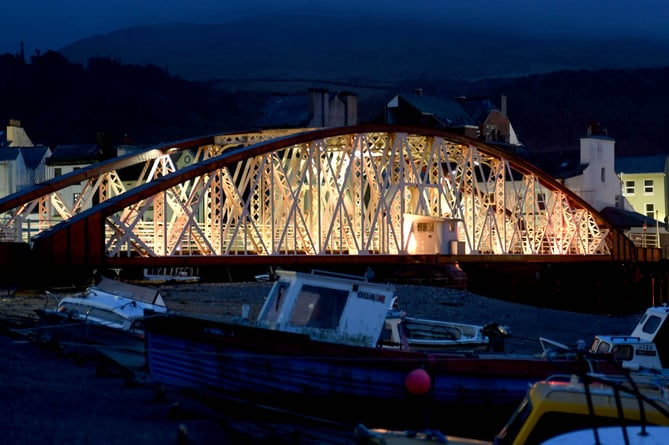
(365, 190)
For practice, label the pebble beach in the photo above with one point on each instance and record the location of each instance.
(51, 397)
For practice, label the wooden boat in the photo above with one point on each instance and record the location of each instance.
(110, 313)
(315, 347)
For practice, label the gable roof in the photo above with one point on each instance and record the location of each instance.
(478, 108)
(33, 156)
(75, 154)
(284, 111)
(9, 154)
(641, 164)
(625, 219)
(558, 164)
(447, 111)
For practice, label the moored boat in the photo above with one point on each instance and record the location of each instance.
(565, 409)
(315, 347)
(421, 334)
(645, 350)
(109, 313)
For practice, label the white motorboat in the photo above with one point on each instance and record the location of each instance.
(421, 334)
(109, 313)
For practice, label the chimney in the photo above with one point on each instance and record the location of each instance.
(594, 129)
(318, 107)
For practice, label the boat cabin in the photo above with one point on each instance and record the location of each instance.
(327, 306)
(561, 404)
(653, 327)
(646, 348)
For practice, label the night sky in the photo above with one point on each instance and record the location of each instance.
(47, 24)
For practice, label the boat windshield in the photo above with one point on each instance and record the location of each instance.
(99, 315)
(319, 307)
(274, 305)
(651, 325)
(510, 431)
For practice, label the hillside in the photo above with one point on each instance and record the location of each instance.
(355, 49)
(555, 86)
(60, 101)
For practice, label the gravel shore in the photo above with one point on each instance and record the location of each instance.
(51, 398)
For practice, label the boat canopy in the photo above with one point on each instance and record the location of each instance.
(149, 295)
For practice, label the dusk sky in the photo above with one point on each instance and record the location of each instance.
(49, 24)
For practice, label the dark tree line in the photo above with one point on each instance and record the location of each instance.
(59, 102)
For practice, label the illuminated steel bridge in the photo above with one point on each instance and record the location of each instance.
(364, 193)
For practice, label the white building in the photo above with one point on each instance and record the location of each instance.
(598, 183)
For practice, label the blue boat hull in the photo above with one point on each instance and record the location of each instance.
(291, 371)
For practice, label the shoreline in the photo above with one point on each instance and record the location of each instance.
(52, 397)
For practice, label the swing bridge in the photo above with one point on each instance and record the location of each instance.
(367, 194)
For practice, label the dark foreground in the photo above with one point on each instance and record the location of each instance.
(48, 397)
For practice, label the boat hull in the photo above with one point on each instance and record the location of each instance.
(291, 371)
(80, 336)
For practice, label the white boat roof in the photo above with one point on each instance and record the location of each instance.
(650, 323)
(327, 306)
(145, 294)
(125, 307)
(613, 435)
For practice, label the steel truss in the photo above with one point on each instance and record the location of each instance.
(352, 194)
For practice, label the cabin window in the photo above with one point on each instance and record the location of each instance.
(273, 308)
(651, 324)
(425, 227)
(319, 307)
(623, 352)
(83, 312)
(603, 348)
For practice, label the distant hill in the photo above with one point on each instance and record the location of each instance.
(359, 50)
(164, 83)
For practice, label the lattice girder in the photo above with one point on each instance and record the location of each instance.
(350, 193)
(329, 193)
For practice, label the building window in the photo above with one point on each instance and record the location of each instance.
(541, 201)
(57, 172)
(603, 174)
(648, 186)
(650, 210)
(629, 187)
(75, 196)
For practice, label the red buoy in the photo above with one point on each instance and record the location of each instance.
(418, 382)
